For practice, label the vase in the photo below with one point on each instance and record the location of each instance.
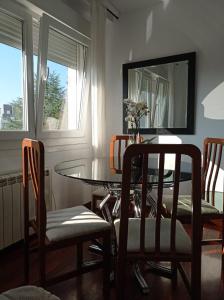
(137, 138)
(137, 160)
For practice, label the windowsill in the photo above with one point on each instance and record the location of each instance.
(59, 134)
(51, 144)
(14, 135)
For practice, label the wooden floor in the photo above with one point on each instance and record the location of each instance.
(89, 286)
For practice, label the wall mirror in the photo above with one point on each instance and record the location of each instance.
(167, 86)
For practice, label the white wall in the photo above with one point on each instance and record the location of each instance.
(168, 28)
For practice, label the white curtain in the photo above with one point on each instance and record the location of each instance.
(160, 103)
(81, 84)
(134, 84)
(71, 116)
(98, 22)
(171, 95)
(162, 120)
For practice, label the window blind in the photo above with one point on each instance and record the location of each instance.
(10, 31)
(61, 49)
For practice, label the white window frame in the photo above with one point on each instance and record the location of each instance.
(16, 11)
(45, 23)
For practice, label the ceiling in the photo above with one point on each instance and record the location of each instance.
(131, 5)
(121, 6)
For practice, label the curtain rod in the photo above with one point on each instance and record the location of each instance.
(113, 14)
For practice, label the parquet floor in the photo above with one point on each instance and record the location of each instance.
(89, 286)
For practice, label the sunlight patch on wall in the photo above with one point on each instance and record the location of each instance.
(214, 103)
(165, 3)
(149, 23)
(130, 56)
(169, 139)
(219, 182)
(169, 158)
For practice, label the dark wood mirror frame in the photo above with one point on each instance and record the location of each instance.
(191, 58)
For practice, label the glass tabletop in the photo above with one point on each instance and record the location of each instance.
(104, 171)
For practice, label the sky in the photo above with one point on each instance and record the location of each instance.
(11, 73)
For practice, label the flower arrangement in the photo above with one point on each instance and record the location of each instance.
(134, 112)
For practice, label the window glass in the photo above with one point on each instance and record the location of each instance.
(11, 74)
(66, 76)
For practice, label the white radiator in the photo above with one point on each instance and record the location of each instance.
(11, 206)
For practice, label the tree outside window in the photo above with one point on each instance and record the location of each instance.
(53, 105)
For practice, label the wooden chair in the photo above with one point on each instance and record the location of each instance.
(122, 143)
(60, 228)
(159, 239)
(212, 204)
(118, 144)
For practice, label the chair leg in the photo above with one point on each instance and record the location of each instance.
(222, 235)
(79, 256)
(26, 261)
(42, 266)
(196, 276)
(121, 277)
(93, 203)
(222, 267)
(106, 264)
(174, 274)
(202, 228)
(196, 289)
(222, 253)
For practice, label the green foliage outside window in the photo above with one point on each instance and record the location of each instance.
(54, 97)
(53, 104)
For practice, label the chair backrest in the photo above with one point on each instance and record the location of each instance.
(118, 139)
(147, 152)
(33, 165)
(212, 158)
(118, 144)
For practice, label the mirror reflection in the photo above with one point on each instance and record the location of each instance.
(164, 89)
(167, 88)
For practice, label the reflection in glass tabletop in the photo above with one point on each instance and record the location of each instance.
(101, 171)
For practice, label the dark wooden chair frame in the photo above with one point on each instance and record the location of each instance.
(175, 259)
(33, 160)
(212, 156)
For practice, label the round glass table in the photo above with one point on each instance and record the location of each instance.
(103, 171)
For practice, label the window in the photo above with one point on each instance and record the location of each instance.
(11, 73)
(52, 71)
(62, 79)
(63, 91)
(16, 97)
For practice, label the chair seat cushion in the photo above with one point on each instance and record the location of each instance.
(28, 293)
(73, 222)
(184, 205)
(100, 192)
(183, 242)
